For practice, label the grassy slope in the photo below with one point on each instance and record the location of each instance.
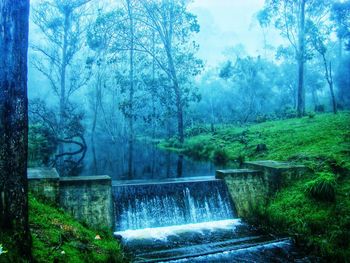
(57, 237)
(323, 144)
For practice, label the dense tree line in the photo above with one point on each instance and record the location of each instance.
(131, 68)
(134, 61)
(288, 80)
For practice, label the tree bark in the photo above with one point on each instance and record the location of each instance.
(14, 123)
(301, 60)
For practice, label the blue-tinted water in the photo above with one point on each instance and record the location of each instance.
(191, 220)
(148, 162)
(140, 206)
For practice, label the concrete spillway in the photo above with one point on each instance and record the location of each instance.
(189, 220)
(149, 205)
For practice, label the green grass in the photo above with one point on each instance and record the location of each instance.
(320, 142)
(314, 209)
(323, 226)
(57, 237)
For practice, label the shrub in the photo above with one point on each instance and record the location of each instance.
(323, 187)
(173, 143)
(340, 106)
(197, 130)
(261, 118)
(241, 159)
(220, 156)
(320, 108)
(197, 149)
(311, 114)
(2, 251)
(289, 112)
(41, 145)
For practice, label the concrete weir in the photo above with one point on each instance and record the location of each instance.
(142, 205)
(250, 187)
(87, 198)
(100, 202)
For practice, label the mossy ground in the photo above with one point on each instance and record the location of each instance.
(323, 144)
(57, 237)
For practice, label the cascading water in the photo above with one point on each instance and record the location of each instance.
(189, 221)
(142, 206)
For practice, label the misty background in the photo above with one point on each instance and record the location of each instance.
(105, 74)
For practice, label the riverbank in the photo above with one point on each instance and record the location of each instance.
(57, 237)
(314, 209)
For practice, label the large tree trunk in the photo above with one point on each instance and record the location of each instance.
(14, 123)
(301, 60)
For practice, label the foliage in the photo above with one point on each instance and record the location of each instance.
(197, 130)
(251, 78)
(289, 112)
(311, 114)
(53, 133)
(319, 108)
(199, 150)
(220, 156)
(341, 16)
(41, 145)
(342, 80)
(2, 250)
(322, 187)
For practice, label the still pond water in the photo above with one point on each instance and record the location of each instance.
(147, 162)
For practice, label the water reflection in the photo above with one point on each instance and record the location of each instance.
(141, 161)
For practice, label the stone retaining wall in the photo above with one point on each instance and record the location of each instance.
(87, 198)
(250, 188)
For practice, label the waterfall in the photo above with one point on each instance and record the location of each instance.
(140, 206)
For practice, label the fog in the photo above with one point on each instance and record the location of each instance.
(124, 70)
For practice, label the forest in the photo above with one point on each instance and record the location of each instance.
(200, 124)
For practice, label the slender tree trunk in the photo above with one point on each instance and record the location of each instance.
(63, 83)
(14, 123)
(334, 103)
(314, 98)
(97, 99)
(301, 60)
(153, 88)
(180, 118)
(329, 78)
(212, 127)
(178, 95)
(131, 90)
(168, 47)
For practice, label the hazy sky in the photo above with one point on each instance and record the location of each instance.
(225, 23)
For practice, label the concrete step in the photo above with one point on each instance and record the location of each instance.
(189, 252)
(221, 174)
